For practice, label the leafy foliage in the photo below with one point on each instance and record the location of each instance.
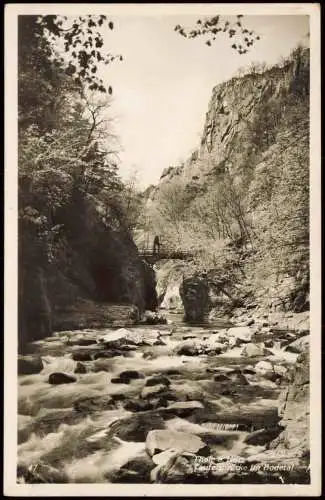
(67, 157)
(83, 43)
(241, 37)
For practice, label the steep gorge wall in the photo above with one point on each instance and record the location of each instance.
(235, 108)
(91, 258)
(252, 165)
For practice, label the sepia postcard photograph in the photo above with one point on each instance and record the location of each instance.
(162, 250)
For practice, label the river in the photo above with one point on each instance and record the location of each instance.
(94, 429)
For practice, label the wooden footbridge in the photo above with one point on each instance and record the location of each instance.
(160, 251)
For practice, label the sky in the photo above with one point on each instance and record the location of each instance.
(162, 88)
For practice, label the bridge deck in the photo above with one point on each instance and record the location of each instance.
(166, 253)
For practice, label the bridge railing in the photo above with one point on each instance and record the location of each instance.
(164, 253)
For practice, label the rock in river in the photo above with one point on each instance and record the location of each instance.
(299, 345)
(80, 368)
(158, 379)
(195, 297)
(161, 440)
(28, 365)
(188, 350)
(61, 378)
(126, 377)
(263, 436)
(252, 350)
(184, 408)
(152, 391)
(242, 333)
(81, 341)
(136, 427)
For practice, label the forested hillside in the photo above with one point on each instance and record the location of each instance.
(240, 203)
(74, 241)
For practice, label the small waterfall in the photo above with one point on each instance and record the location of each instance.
(222, 427)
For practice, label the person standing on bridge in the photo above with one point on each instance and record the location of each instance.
(156, 246)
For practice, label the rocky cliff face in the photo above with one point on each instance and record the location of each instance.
(94, 258)
(247, 184)
(295, 412)
(235, 107)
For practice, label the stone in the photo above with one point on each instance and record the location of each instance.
(29, 365)
(81, 342)
(136, 470)
(39, 472)
(49, 421)
(299, 345)
(178, 469)
(236, 377)
(80, 368)
(295, 411)
(149, 355)
(82, 356)
(220, 377)
(263, 436)
(184, 408)
(280, 370)
(96, 403)
(61, 378)
(163, 457)
(188, 350)
(249, 371)
(136, 427)
(158, 379)
(107, 354)
(241, 332)
(172, 371)
(254, 350)
(128, 375)
(119, 337)
(138, 405)
(116, 380)
(152, 391)
(194, 293)
(264, 367)
(153, 318)
(161, 440)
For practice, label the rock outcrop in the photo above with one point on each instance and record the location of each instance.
(93, 259)
(236, 215)
(295, 412)
(195, 297)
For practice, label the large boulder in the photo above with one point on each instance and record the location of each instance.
(161, 440)
(150, 292)
(98, 261)
(295, 411)
(254, 350)
(136, 427)
(194, 293)
(136, 470)
(40, 472)
(243, 333)
(61, 378)
(28, 365)
(298, 346)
